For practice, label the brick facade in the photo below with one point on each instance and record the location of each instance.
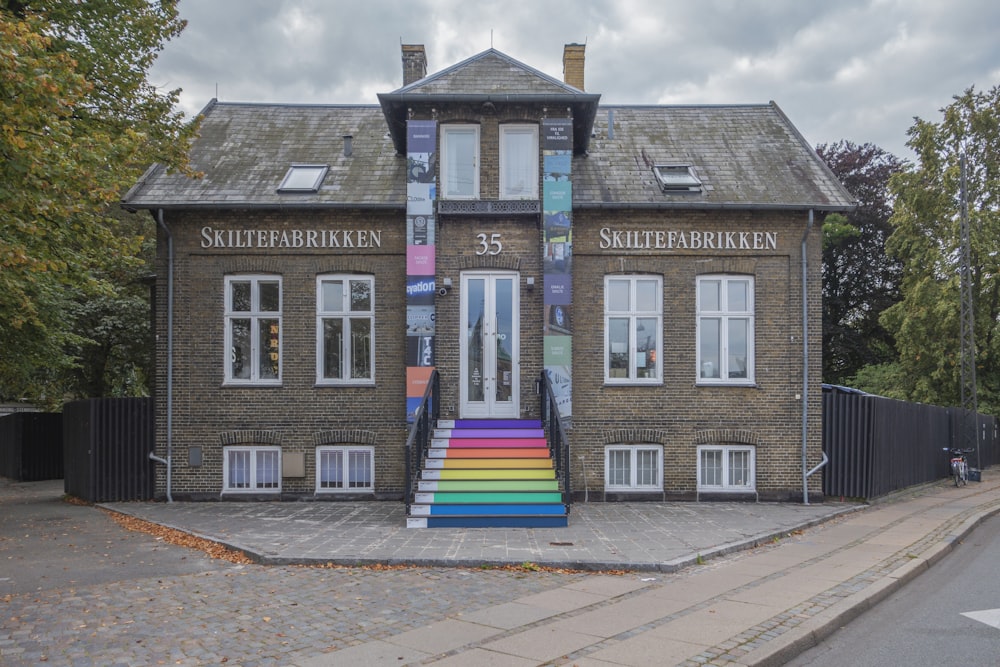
(751, 219)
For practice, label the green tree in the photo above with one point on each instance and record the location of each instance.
(927, 241)
(859, 279)
(78, 123)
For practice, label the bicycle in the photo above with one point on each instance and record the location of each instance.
(960, 465)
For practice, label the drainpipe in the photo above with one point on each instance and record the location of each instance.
(805, 359)
(170, 357)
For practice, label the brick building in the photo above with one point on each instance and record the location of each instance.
(499, 226)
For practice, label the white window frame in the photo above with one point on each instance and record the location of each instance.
(723, 317)
(253, 454)
(345, 452)
(448, 191)
(510, 163)
(725, 453)
(346, 316)
(634, 453)
(636, 318)
(257, 317)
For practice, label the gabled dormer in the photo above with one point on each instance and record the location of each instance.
(489, 80)
(489, 109)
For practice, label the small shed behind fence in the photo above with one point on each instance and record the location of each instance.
(31, 446)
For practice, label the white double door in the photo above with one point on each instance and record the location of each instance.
(490, 344)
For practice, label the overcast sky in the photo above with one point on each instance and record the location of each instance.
(840, 69)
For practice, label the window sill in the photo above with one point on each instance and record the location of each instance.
(746, 384)
(625, 489)
(613, 382)
(239, 384)
(344, 385)
(341, 492)
(244, 492)
(727, 490)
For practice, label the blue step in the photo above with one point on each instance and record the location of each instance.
(487, 509)
(497, 522)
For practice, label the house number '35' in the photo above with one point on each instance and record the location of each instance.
(489, 245)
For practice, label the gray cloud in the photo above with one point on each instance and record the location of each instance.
(855, 69)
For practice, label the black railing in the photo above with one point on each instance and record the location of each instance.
(419, 439)
(558, 442)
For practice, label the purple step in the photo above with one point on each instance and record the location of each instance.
(489, 423)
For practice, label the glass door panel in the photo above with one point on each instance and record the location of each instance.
(489, 345)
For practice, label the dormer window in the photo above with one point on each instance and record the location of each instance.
(677, 178)
(303, 178)
(460, 161)
(518, 162)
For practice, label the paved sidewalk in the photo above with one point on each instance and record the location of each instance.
(792, 574)
(660, 537)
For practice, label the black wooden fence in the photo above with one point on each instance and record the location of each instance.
(31, 446)
(877, 445)
(107, 445)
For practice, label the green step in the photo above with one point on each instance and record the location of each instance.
(448, 497)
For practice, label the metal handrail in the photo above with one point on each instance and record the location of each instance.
(418, 441)
(558, 441)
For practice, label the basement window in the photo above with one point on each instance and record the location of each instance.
(303, 178)
(677, 178)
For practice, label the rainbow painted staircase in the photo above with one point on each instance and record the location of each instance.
(486, 474)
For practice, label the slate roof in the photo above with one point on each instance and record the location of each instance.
(245, 150)
(747, 156)
(488, 73)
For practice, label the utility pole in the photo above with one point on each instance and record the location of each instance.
(967, 335)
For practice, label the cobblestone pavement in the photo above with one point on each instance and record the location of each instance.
(77, 589)
(95, 605)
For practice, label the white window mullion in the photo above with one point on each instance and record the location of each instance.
(253, 330)
(341, 469)
(725, 330)
(519, 158)
(253, 469)
(633, 326)
(460, 161)
(345, 329)
(633, 468)
(726, 468)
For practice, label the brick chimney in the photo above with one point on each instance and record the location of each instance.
(573, 58)
(414, 63)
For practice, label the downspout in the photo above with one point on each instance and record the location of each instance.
(805, 359)
(170, 357)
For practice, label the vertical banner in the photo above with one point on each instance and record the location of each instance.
(557, 230)
(421, 158)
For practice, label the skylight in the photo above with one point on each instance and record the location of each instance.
(303, 178)
(677, 178)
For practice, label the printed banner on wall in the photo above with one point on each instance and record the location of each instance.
(557, 264)
(421, 157)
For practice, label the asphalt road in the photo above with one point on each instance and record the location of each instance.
(46, 544)
(922, 624)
